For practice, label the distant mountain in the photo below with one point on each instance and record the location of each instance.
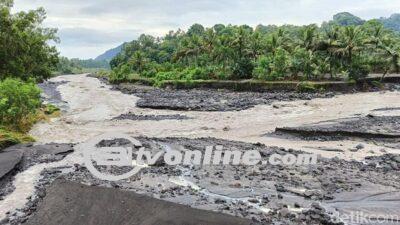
(347, 19)
(393, 22)
(110, 54)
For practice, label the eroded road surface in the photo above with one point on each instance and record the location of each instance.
(355, 174)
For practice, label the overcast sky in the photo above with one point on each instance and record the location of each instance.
(87, 28)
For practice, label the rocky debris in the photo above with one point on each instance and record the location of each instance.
(132, 116)
(376, 127)
(318, 215)
(387, 109)
(384, 163)
(223, 188)
(208, 99)
(360, 146)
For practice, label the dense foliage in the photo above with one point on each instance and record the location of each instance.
(25, 57)
(19, 102)
(266, 52)
(75, 66)
(24, 49)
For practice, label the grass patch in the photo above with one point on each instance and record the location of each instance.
(51, 110)
(9, 138)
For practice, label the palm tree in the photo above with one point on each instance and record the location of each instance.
(391, 52)
(376, 32)
(330, 46)
(240, 42)
(138, 61)
(309, 37)
(223, 52)
(277, 40)
(189, 50)
(351, 41)
(256, 45)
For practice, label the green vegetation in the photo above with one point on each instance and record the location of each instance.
(50, 110)
(346, 48)
(77, 66)
(24, 49)
(26, 57)
(392, 22)
(19, 104)
(9, 138)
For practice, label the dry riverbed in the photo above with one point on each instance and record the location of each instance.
(353, 173)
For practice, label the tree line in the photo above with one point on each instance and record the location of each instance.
(24, 49)
(311, 52)
(77, 66)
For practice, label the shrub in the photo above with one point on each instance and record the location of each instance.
(120, 74)
(50, 109)
(243, 69)
(161, 76)
(19, 102)
(272, 67)
(263, 68)
(359, 69)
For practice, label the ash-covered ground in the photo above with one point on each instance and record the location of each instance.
(383, 130)
(335, 190)
(267, 194)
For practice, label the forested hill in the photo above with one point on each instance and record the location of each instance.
(393, 22)
(346, 19)
(110, 54)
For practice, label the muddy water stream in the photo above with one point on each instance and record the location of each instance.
(92, 105)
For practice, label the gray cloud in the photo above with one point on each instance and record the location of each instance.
(88, 28)
(92, 37)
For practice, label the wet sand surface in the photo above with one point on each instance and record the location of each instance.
(267, 194)
(69, 203)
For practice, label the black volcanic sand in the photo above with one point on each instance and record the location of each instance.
(312, 194)
(208, 99)
(132, 116)
(72, 203)
(215, 99)
(383, 130)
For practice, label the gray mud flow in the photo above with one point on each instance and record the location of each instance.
(353, 175)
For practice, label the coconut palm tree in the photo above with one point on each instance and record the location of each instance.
(391, 53)
(351, 40)
(309, 37)
(138, 61)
